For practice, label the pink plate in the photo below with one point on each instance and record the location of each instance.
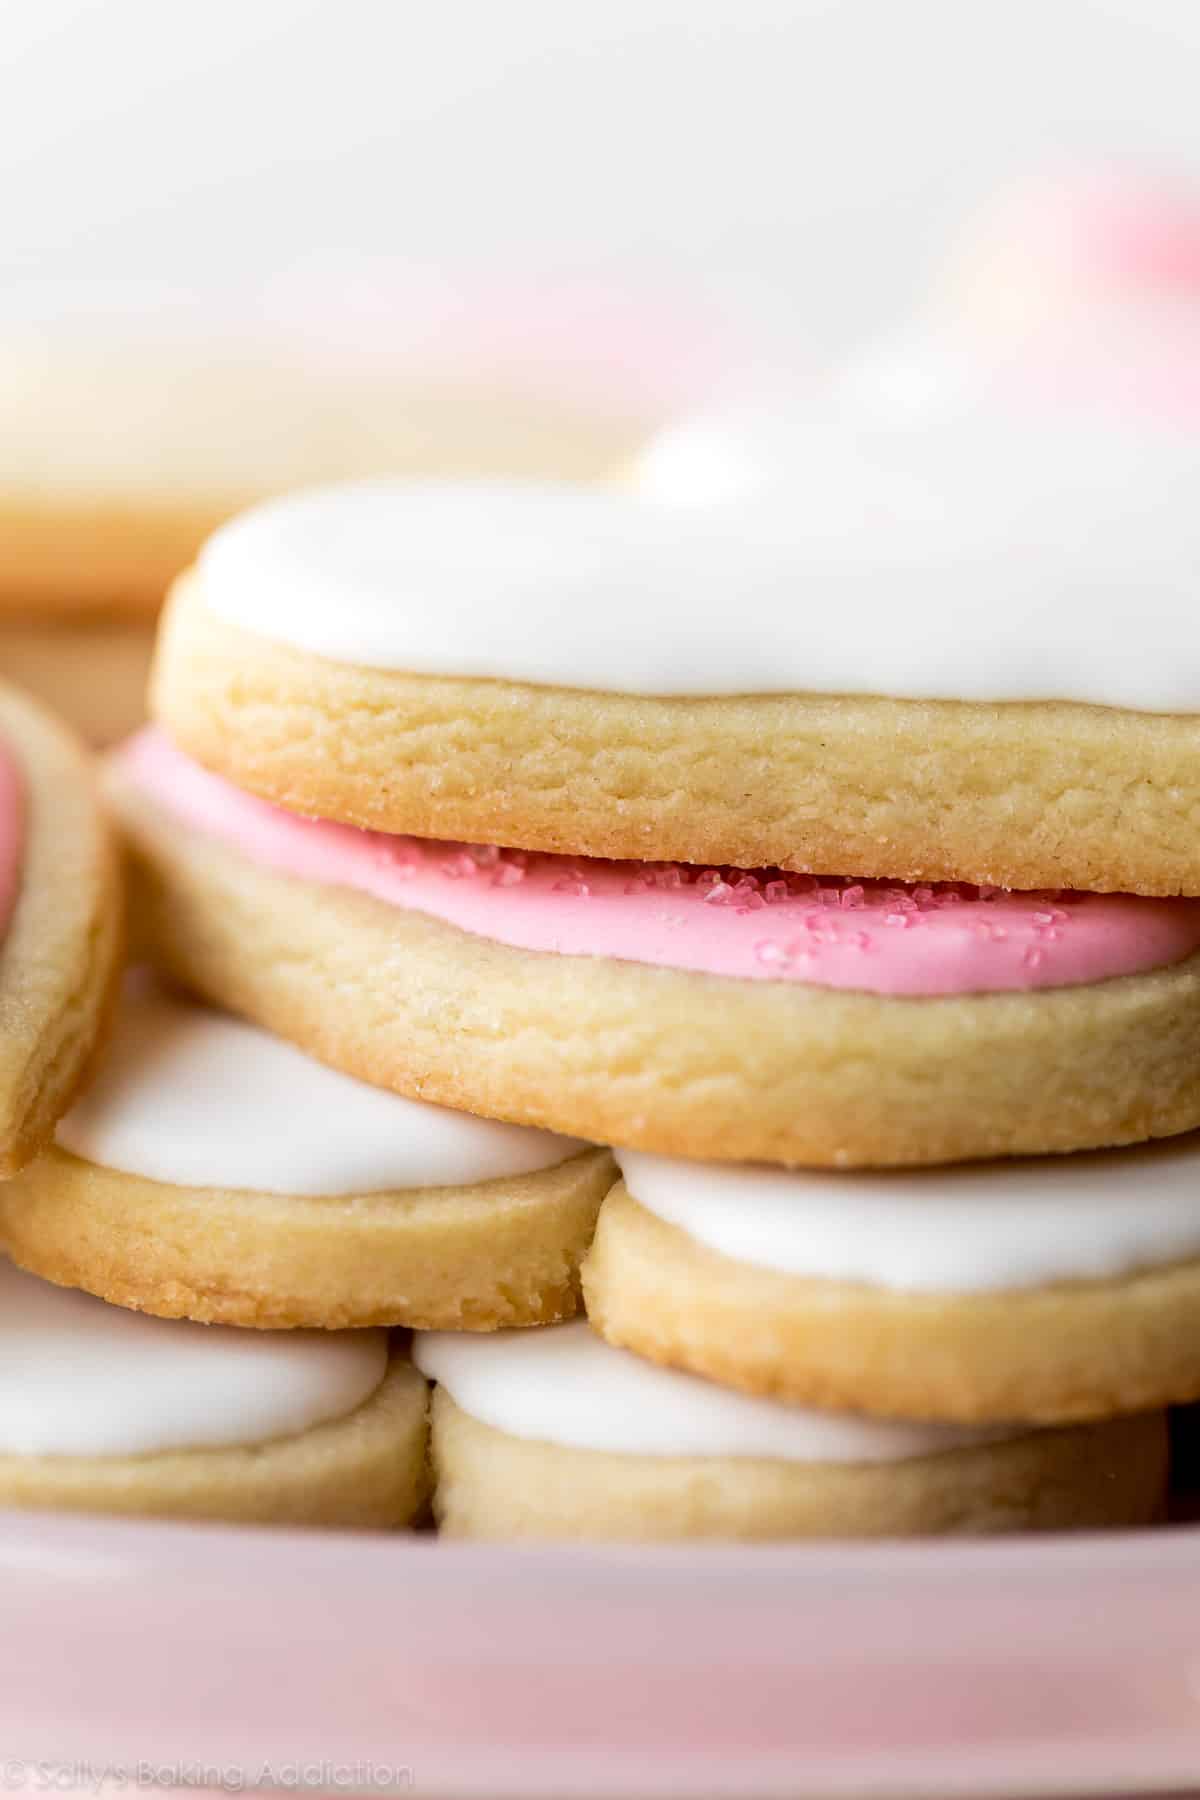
(247, 1658)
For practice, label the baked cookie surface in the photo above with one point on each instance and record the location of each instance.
(1004, 705)
(213, 1173)
(669, 1008)
(62, 931)
(1050, 1291)
(556, 1435)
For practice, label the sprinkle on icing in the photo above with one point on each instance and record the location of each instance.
(881, 937)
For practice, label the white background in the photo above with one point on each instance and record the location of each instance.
(808, 156)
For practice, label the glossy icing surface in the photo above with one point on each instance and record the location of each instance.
(950, 564)
(81, 1378)
(564, 1385)
(973, 1228)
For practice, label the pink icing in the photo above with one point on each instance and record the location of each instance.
(1108, 260)
(12, 834)
(1111, 228)
(884, 937)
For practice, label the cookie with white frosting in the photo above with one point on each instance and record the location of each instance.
(211, 1172)
(1046, 1291)
(556, 1434)
(939, 654)
(60, 924)
(700, 1012)
(102, 1410)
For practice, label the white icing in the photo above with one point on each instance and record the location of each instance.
(81, 1378)
(905, 381)
(564, 1385)
(193, 1097)
(975, 1228)
(902, 380)
(946, 564)
(719, 454)
(1083, 405)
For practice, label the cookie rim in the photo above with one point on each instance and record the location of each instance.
(252, 710)
(1060, 1353)
(63, 1216)
(69, 906)
(526, 1487)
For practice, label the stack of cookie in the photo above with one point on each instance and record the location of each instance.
(100, 1408)
(830, 852)
(529, 803)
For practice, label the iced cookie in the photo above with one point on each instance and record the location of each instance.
(703, 1012)
(102, 1410)
(556, 1434)
(60, 924)
(212, 1172)
(1057, 1290)
(958, 657)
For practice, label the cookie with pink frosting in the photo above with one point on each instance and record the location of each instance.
(1047, 1290)
(556, 1434)
(701, 1011)
(60, 924)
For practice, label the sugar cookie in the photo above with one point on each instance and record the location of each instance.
(993, 682)
(555, 1434)
(105, 1411)
(212, 1172)
(666, 1007)
(60, 924)
(1060, 1290)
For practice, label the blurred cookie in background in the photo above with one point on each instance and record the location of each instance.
(135, 418)
(91, 670)
(1070, 299)
(1090, 240)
